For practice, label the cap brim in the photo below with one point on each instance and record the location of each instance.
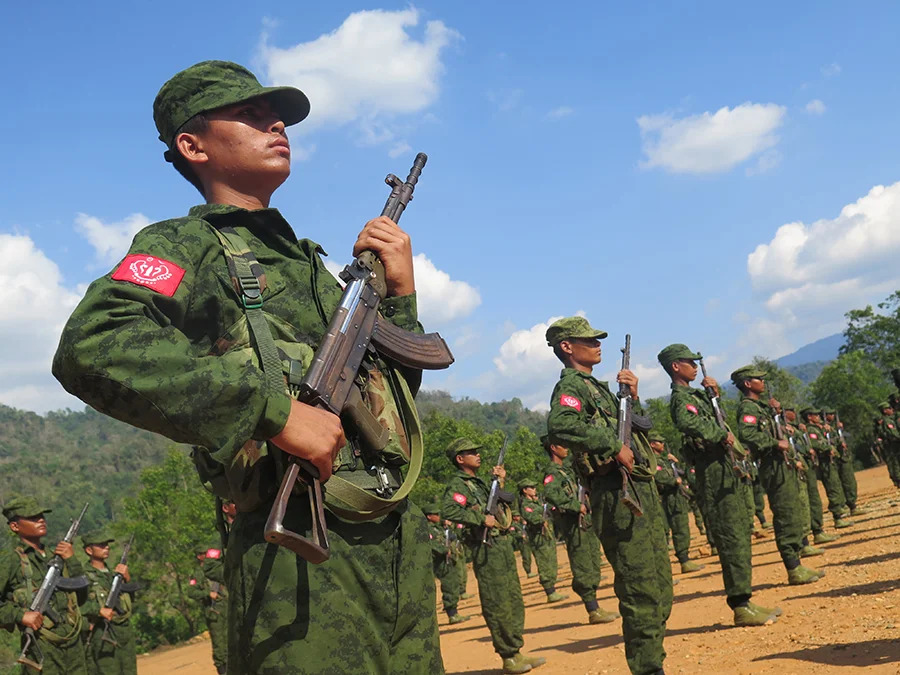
(290, 102)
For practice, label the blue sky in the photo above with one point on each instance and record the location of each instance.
(702, 174)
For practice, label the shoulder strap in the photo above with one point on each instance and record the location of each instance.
(27, 572)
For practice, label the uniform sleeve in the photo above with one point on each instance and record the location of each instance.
(817, 440)
(438, 547)
(198, 589)
(664, 477)
(751, 431)
(690, 422)
(569, 422)
(555, 494)
(456, 506)
(10, 613)
(122, 352)
(532, 513)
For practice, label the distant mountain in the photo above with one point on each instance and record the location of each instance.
(824, 350)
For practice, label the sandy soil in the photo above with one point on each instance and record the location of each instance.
(847, 621)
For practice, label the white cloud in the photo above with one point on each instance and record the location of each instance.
(37, 304)
(400, 149)
(560, 112)
(111, 241)
(505, 100)
(709, 142)
(815, 107)
(766, 162)
(831, 70)
(367, 72)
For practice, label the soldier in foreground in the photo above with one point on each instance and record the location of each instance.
(196, 334)
(444, 559)
(116, 654)
(58, 631)
(539, 528)
(584, 418)
(721, 489)
(207, 587)
(778, 473)
(494, 562)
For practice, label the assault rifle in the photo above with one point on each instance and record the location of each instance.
(584, 501)
(738, 470)
(447, 543)
(630, 497)
(115, 591)
(813, 455)
(496, 495)
(779, 431)
(53, 581)
(330, 382)
(682, 486)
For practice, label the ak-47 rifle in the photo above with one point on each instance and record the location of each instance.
(545, 520)
(330, 382)
(496, 495)
(739, 471)
(779, 430)
(53, 581)
(630, 497)
(813, 455)
(584, 501)
(117, 587)
(682, 486)
(447, 543)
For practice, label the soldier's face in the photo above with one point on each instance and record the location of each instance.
(468, 459)
(658, 446)
(30, 527)
(686, 368)
(246, 141)
(98, 551)
(583, 351)
(560, 451)
(756, 385)
(530, 492)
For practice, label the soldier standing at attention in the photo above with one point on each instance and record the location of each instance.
(561, 492)
(845, 468)
(583, 417)
(539, 528)
(777, 472)
(528, 552)
(207, 587)
(888, 430)
(116, 655)
(444, 560)
(674, 503)
(827, 471)
(494, 562)
(177, 340)
(58, 631)
(721, 490)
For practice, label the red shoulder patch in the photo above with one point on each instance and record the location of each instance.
(529, 509)
(570, 402)
(193, 582)
(692, 408)
(146, 270)
(430, 536)
(214, 553)
(548, 479)
(749, 419)
(658, 467)
(890, 426)
(814, 436)
(459, 498)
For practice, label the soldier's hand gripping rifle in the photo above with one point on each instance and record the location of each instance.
(586, 503)
(630, 497)
(682, 486)
(117, 587)
(53, 581)
(739, 471)
(496, 495)
(779, 431)
(330, 382)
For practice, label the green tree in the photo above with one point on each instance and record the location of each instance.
(788, 389)
(876, 333)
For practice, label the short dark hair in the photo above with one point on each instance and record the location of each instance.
(198, 124)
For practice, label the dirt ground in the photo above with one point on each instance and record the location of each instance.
(848, 620)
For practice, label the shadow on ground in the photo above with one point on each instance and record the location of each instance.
(853, 654)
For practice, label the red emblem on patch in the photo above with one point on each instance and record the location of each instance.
(692, 408)
(147, 270)
(529, 509)
(749, 419)
(430, 536)
(890, 426)
(193, 582)
(548, 479)
(814, 436)
(214, 553)
(658, 467)
(459, 498)
(570, 402)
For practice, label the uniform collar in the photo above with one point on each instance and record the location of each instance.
(222, 215)
(566, 372)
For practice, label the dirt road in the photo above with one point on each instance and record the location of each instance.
(848, 621)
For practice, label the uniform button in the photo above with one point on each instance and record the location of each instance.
(389, 311)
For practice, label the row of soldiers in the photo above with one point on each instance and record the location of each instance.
(887, 433)
(624, 491)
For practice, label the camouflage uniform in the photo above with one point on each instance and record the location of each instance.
(889, 431)
(543, 541)
(827, 470)
(163, 343)
(444, 559)
(21, 572)
(208, 578)
(675, 506)
(810, 483)
(104, 657)
(844, 458)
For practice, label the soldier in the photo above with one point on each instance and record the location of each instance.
(115, 654)
(494, 562)
(207, 587)
(827, 471)
(539, 528)
(525, 486)
(445, 558)
(583, 417)
(184, 338)
(888, 431)
(572, 522)
(845, 468)
(797, 431)
(777, 472)
(672, 494)
(520, 543)
(58, 631)
(721, 489)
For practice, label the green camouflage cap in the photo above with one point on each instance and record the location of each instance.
(23, 507)
(458, 446)
(571, 327)
(672, 353)
(829, 411)
(655, 435)
(745, 373)
(101, 535)
(431, 507)
(808, 410)
(884, 404)
(213, 84)
(527, 482)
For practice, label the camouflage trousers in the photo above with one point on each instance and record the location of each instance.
(724, 499)
(750, 503)
(816, 524)
(584, 557)
(447, 573)
(831, 480)
(526, 553)
(501, 595)
(848, 480)
(675, 508)
(104, 658)
(60, 659)
(789, 518)
(891, 454)
(759, 501)
(217, 622)
(370, 608)
(544, 547)
(635, 547)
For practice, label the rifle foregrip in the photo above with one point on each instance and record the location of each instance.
(426, 351)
